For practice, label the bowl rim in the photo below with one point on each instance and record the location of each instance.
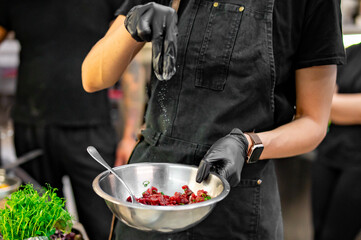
(107, 197)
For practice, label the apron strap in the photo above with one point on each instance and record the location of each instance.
(112, 228)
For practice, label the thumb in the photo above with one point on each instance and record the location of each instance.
(203, 171)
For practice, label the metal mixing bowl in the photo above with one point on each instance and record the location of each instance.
(168, 178)
(13, 185)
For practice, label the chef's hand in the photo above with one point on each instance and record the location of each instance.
(156, 23)
(226, 157)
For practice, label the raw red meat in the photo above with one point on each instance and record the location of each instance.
(152, 197)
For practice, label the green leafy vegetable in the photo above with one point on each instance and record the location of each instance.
(146, 183)
(29, 214)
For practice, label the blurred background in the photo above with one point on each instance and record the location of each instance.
(293, 173)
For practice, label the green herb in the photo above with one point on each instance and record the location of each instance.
(207, 198)
(162, 193)
(29, 214)
(146, 183)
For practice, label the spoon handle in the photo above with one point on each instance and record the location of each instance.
(95, 154)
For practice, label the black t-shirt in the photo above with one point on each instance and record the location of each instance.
(55, 37)
(306, 33)
(341, 146)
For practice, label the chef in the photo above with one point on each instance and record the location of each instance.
(235, 83)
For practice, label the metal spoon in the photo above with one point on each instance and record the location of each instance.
(95, 154)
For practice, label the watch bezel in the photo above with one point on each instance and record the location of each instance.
(255, 153)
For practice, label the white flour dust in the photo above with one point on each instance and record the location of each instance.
(162, 93)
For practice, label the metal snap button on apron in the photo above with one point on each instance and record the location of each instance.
(241, 9)
(215, 4)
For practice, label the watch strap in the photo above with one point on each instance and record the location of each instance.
(254, 137)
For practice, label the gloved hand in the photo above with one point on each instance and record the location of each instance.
(156, 23)
(226, 157)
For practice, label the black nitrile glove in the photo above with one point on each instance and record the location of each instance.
(156, 23)
(226, 157)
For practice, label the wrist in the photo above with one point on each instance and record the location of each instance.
(255, 147)
(130, 136)
(249, 141)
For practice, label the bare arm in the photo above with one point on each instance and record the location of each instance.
(314, 90)
(133, 85)
(346, 109)
(108, 59)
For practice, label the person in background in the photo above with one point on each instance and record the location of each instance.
(52, 112)
(336, 172)
(133, 87)
(234, 84)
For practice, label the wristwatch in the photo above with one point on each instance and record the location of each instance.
(256, 148)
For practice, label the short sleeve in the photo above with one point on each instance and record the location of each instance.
(321, 39)
(4, 15)
(129, 4)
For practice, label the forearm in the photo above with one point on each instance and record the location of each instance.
(108, 59)
(346, 109)
(314, 90)
(297, 137)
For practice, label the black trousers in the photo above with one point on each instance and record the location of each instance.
(65, 154)
(336, 202)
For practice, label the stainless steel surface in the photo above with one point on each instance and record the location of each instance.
(23, 159)
(96, 155)
(20, 173)
(13, 182)
(168, 178)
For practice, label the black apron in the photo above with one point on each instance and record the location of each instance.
(225, 79)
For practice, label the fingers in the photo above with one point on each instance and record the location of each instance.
(158, 24)
(165, 46)
(130, 23)
(203, 171)
(157, 50)
(144, 30)
(170, 47)
(169, 61)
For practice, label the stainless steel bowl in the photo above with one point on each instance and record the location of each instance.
(168, 178)
(13, 184)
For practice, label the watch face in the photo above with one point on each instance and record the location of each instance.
(256, 153)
